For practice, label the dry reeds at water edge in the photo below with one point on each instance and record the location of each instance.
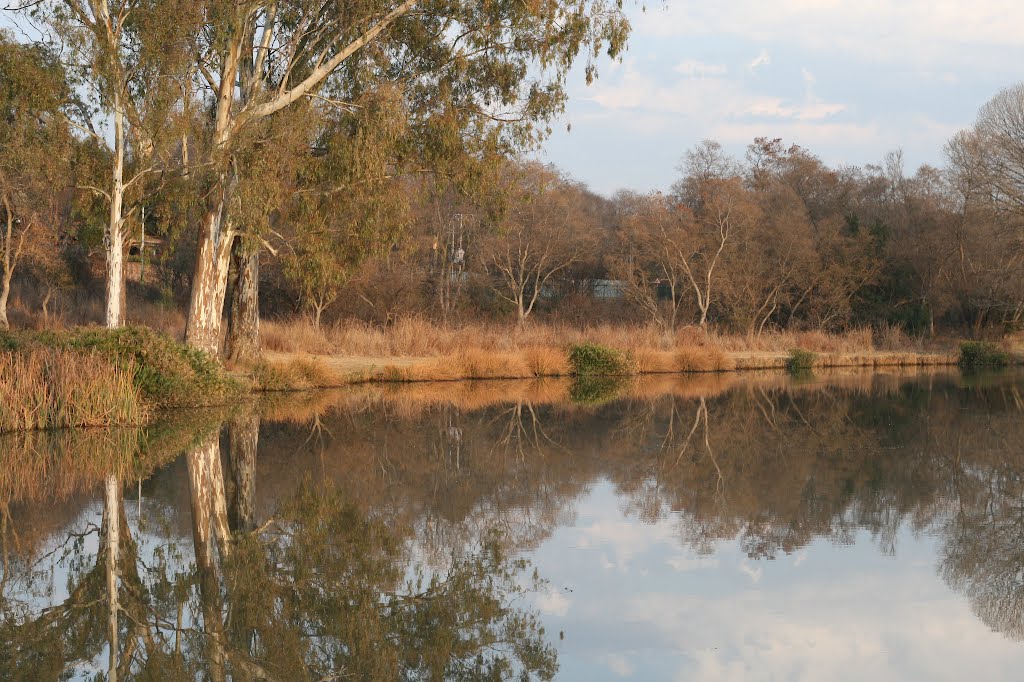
(48, 388)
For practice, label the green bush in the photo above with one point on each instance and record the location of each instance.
(982, 354)
(591, 359)
(800, 361)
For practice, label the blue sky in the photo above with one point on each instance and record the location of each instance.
(849, 81)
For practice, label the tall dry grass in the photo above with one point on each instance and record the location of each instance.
(414, 349)
(417, 337)
(48, 388)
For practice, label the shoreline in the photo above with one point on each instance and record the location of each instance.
(298, 371)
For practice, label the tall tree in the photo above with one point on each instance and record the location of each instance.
(35, 149)
(128, 59)
(491, 70)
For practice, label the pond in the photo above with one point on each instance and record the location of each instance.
(713, 527)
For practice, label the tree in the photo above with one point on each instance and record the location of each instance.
(129, 58)
(35, 150)
(534, 239)
(492, 71)
(652, 254)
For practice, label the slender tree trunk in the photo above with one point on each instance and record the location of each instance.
(112, 542)
(243, 340)
(5, 294)
(114, 238)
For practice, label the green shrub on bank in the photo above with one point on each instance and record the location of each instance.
(165, 372)
(975, 354)
(591, 359)
(800, 361)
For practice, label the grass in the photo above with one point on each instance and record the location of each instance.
(977, 354)
(415, 349)
(58, 388)
(165, 373)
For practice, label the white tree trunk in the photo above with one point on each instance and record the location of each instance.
(114, 238)
(112, 511)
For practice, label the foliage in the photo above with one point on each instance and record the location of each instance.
(975, 354)
(801, 360)
(590, 359)
(165, 372)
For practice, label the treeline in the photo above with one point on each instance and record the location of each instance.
(368, 162)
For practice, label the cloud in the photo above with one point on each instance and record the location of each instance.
(695, 68)
(762, 59)
(704, 100)
(618, 664)
(552, 602)
(919, 31)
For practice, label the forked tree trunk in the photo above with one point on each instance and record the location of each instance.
(243, 339)
(209, 527)
(209, 283)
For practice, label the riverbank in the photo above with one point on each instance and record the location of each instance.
(86, 377)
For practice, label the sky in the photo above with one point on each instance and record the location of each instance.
(849, 81)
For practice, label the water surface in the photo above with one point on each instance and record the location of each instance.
(853, 526)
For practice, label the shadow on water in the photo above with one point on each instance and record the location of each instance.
(379, 532)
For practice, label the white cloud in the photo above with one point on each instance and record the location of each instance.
(919, 31)
(684, 563)
(752, 572)
(762, 59)
(699, 69)
(552, 602)
(618, 664)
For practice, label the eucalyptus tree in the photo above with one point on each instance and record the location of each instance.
(35, 150)
(127, 59)
(470, 74)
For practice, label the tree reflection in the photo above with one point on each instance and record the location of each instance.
(322, 590)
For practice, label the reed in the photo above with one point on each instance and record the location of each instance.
(48, 388)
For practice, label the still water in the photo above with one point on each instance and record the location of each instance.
(842, 527)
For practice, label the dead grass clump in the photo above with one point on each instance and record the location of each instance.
(652, 361)
(476, 363)
(702, 359)
(544, 361)
(45, 388)
(300, 374)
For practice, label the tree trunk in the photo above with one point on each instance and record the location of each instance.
(209, 283)
(243, 340)
(114, 239)
(112, 541)
(5, 294)
(243, 439)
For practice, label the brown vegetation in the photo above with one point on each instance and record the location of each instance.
(48, 388)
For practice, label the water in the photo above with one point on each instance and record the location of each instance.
(727, 527)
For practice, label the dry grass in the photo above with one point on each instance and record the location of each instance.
(414, 349)
(48, 388)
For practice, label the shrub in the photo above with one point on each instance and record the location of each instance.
(166, 373)
(591, 359)
(800, 360)
(975, 354)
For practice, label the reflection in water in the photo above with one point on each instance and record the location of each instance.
(378, 533)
